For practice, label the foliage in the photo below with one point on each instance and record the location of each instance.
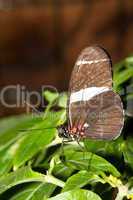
(34, 166)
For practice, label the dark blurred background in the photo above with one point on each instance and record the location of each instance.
(41, 39)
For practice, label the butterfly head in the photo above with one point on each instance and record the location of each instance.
(63, 132)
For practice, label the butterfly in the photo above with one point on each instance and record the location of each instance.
(94, 110)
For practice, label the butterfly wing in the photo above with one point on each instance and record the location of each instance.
(92, 68)
(101, 117)
(92, 104)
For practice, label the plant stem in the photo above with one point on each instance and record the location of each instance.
(51, 179)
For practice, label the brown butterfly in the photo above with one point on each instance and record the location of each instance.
(94, 109)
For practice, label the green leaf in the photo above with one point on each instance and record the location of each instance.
(61, 170)
(54, 119)
(123, 65)
(35, 191)
(50, 96)
(122, 77)
(129, 60)
(37, 139)
(11, 127)
(22, 175)
(77, 194)
(6, 160)
(128, 151)
(31, 144)
(81, 179)
(105, 148)
(90, 162)
(119, 67)
(62, 101)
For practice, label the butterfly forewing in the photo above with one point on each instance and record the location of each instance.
(94, 110)
(92, 68)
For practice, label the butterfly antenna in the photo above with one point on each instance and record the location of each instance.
(37, 129)
(31, 106)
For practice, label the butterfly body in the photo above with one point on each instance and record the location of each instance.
(72, 134)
